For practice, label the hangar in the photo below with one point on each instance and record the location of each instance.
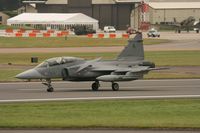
(109, 12)
(165, 12)
(53, 20)
(120, 13)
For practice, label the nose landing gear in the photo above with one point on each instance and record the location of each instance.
(49, 86)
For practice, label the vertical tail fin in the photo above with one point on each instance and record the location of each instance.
(134, 50)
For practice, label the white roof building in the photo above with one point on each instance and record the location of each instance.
(167, 12)
(174, 5)
(53, 19)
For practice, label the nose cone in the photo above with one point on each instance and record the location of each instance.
(29, 74)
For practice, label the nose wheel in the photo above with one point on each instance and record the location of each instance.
(49, 86)
(50, 89)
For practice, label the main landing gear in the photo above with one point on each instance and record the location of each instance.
(115, 86)
(49, 86)
(95, 86)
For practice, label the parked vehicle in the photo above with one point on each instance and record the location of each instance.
(109, 29)
(196, 29)
(83, 30)
(153, 33)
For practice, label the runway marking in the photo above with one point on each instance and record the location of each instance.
(101, 98)
(30, 89)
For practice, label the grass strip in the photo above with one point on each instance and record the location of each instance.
(173, 58)
(53, 42)
(170, 75)
(8, 75)
(182, 113)
(25, 58)
(163, 58)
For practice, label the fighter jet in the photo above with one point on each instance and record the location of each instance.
(186, 24)
(129, 65)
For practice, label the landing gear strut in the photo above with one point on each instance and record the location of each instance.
(95, 86)
(115, 86)
(49, 86)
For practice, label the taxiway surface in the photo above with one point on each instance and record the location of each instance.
(141, 89)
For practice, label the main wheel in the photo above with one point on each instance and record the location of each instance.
(115, 86)
(50, 89)
(95, 86)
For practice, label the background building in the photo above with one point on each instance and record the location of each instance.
(164, 12)
(3, 18)
(120, 13)
(8, 5)
(109, 12)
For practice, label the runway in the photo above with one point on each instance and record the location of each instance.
(141, 89)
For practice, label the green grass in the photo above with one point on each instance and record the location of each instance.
(164, 58)
(25, 58)
(70, 42)
(174, 58)
(103, 114)
(4, 27)
(9, 74)
(168, 75)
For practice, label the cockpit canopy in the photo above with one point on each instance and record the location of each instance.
(58, 61)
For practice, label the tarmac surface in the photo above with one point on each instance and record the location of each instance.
(69, 91)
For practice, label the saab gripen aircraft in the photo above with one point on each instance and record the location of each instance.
(129, 65)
